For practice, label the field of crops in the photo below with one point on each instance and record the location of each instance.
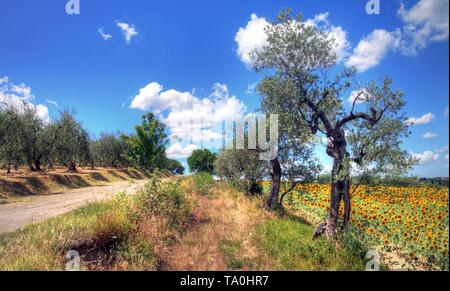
(410, 220)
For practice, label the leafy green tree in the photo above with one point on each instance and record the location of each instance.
(146, 149)
(202, 161)
(175, 167)
(367, 135)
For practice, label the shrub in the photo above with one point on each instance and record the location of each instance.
(203, 183)
(165, 200)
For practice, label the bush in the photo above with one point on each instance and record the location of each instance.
(203, 183)
(165, 200)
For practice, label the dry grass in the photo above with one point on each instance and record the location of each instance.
(27, 184)
(221, 235)
(119, 234)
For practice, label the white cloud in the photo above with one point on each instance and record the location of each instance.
(362, 95)
(426, 157)
(372, 49)
(446, 112)
(129, 31)
(20, 97)
(253, 37)
(429, 135)
(189, 117)
(177, 151)
(251, 88)
(4, 79)
(104, 35)
(51, 102)
(23, 91)
(425, 22)
(425, 119)
(42, 113)
(250, 38)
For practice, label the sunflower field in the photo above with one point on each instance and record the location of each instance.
(413, 221)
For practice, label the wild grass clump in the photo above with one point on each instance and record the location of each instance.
(166, 201)
(202, 183)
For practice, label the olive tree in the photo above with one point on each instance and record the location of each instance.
(296, 161)
(241, 168)
(366, 134)
(108, 151)
(12, 145)
(72, 142)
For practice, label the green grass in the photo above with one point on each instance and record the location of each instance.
(203, 184)
(231, 250)
(41, 246)
(288, 245)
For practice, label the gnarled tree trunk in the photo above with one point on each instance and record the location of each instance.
(340, 187)
(272, 202)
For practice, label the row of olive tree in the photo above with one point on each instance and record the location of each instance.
(25, 140)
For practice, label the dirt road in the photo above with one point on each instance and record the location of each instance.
(39, 208)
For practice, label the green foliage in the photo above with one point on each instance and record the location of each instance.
(202, 161)
(241, 168)
(109, 151)
(165, 200)
(202, 183)
(27, 140)
(303, 86)
(12, 137)
(72, 141)
(146, 149)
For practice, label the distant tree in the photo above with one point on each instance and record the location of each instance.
(365, 135)
(241, 168)
(108, 151)
(72, 142)
(202, 161)
(175, 167)
(147, 148)
(12, 144)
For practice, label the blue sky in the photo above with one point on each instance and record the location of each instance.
(190, 54)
